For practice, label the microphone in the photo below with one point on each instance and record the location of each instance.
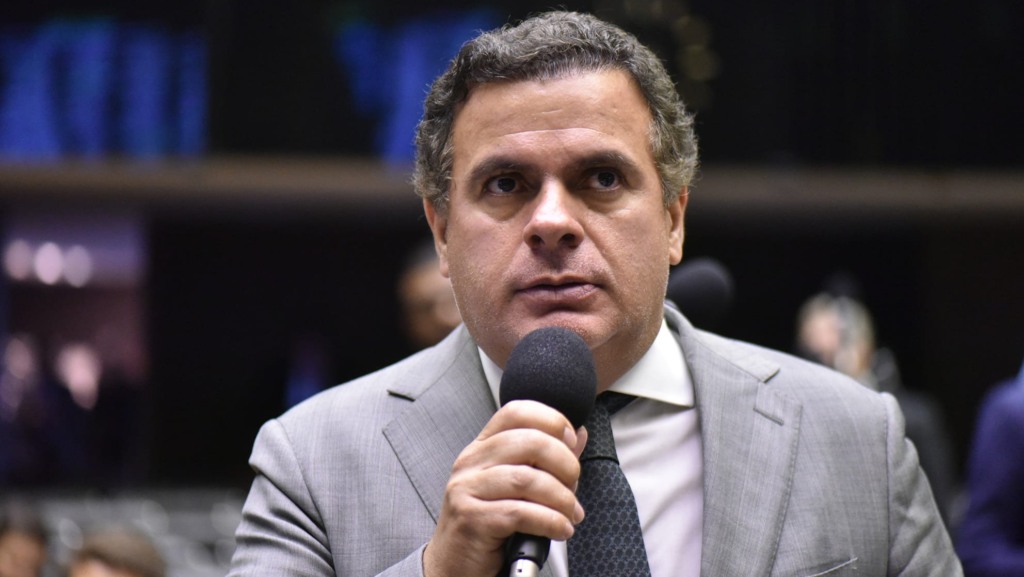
(702, 289)
(554, 366)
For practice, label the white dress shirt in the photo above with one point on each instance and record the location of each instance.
(657, 438)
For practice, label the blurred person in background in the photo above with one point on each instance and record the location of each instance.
(990, 540)
(427, 314)
(67, 418)
(837, 331)
(23, 540)
(29, 452)
(117, 553)
(429, 311)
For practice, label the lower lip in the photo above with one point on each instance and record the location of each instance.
(558, 296)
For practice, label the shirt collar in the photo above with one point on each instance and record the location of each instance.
(660, 375)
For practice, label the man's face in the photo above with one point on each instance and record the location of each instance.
(430, 310)
(556, 217)
(21, 555)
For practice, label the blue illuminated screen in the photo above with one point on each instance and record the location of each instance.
(99, 87)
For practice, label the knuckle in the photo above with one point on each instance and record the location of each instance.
(574, 471)
(461, 462)
(519, 411)
(521, 479)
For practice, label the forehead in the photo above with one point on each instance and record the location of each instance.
(599, 108)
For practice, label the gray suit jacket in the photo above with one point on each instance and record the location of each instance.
(805, 472)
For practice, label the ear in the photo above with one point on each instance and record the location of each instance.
(439, 228)
(676, 211)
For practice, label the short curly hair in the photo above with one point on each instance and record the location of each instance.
(553, 45)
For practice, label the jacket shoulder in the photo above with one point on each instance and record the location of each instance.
(378, 397)
(791, 376)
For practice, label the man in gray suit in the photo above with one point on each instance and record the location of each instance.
(554, 160)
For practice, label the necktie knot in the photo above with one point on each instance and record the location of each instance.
(613, 401)
(600, 442)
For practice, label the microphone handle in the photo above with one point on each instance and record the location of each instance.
(528, 554)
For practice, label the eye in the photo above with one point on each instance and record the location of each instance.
(502, 185)
(604, 179)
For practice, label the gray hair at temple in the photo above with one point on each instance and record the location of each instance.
(553, 45)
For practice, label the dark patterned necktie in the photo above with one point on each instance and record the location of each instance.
(608, 542)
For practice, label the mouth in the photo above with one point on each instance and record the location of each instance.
(562, 293)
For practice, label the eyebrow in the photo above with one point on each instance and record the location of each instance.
(503, 163)
(494, 164)
(609, 158)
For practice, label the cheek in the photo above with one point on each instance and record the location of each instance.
(642, 241)
(643, 257)
(471, 274)
(480, 244)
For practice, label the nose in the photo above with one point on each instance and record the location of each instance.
(554, 222)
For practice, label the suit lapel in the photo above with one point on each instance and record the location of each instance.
(749, 435)
(452, 403)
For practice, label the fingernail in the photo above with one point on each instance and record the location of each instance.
(569, 531)
(569, 437)
(581, 441)
(577, 515)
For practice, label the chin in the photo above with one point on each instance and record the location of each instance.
(593, 330)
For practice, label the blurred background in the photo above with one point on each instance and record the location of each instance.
(205, 213)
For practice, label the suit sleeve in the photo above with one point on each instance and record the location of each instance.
(282, 530)
(991, 538)
(919, 543)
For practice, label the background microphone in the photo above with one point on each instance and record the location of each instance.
(553, 366)
(702, 289)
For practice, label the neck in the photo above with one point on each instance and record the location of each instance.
(613, 360)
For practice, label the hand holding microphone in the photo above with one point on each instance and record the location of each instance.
(553, 366)
(518, 476)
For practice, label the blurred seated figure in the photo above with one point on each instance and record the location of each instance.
(990, 540)
(117, 553)
(22, 542)
(428, 304)
(838, 331)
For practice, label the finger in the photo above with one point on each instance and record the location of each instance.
(501, 518)
(581, 441)
(582, 435)
(533, 519)
(527, 447)
(530, 415)
(523, 483)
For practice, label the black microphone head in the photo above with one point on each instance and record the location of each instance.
(702, 289)
(553, 366)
